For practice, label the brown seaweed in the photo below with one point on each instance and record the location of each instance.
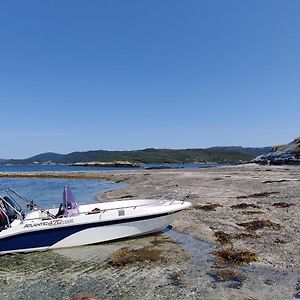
(127, 256)
(223, 275)
(260, 224)
(235, 256)
(207, 207)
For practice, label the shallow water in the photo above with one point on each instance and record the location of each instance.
(66, 168)
(56, 168)
(195, 248)
(47, 192)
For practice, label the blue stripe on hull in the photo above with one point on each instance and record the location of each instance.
(48, 237)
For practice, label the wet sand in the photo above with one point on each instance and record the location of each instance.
(243, 208)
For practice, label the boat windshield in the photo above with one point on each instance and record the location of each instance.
(69, 203)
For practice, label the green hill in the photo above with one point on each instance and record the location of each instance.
(250, 150)
(150, 155)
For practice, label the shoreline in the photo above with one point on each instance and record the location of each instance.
(225, 200)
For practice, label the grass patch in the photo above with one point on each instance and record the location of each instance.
(244, 205)
(224, 275)
(260, 224)
(207, 207)
(128, 256)
(282, 204)
(235, 256)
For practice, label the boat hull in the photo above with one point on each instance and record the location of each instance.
(84, 234)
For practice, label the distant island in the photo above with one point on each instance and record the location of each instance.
(112, 164)
(216, 155)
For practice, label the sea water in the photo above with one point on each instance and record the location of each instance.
(66, 168)
(47, 192)
(56, 168)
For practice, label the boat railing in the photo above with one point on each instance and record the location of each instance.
(102, 211)
(140, 205)
(29, 203)
(176, 196)
(10, 192)
(169, 197)
(4, 211)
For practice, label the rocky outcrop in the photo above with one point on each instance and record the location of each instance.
(283, 154)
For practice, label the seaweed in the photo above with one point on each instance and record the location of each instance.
(226, 238)
(223, 275)
(175, 278)
(234, 256)
(85, 297)
(158, 242)
(280, 241)
(282, 204)
(252, 212)
(235, 285)
(208, 207)
(260, 224)
(244, 205)
(257, 195)
(222, 237)
(275, 181)
(127, 256)
(242, 236)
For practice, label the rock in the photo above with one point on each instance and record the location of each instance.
(283, 154)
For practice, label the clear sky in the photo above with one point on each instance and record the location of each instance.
(122, 75)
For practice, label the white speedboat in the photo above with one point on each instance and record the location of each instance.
(74, 225)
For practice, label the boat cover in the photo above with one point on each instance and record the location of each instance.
(69, 202)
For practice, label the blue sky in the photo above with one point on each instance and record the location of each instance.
(121, 75)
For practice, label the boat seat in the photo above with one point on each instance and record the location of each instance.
(61, 211)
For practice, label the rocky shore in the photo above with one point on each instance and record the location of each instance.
(282, 155)
(240, 240)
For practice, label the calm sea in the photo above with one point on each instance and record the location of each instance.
(57, 168)
(47, 192)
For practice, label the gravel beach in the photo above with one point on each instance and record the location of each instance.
(240, 240)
